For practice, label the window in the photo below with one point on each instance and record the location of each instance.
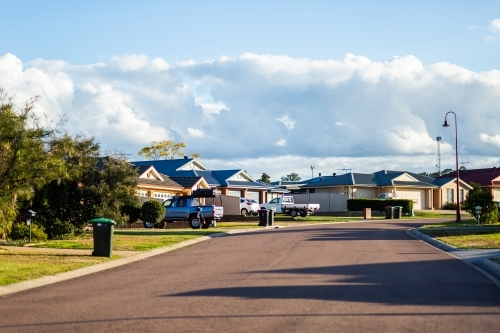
(461, 199)
(312, 190)
(181, 203)
(142, 193)
(449, 195)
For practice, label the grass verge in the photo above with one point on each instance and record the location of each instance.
(18, 267)
(465, 235)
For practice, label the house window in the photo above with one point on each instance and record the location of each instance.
(461, 199)
(142, 193)
(312, 190)
(162, 195)
(449, 195)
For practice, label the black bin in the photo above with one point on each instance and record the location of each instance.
(263, 217)
(102, 231)
(389, 212)
(397, 211)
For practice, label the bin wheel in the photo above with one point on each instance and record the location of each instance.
(303, 213)
(194, 222)
(244, 212)
(148, 225)
(294, 213)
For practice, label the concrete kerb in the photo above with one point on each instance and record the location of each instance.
(487, 267)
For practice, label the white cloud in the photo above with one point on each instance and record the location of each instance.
(196, 133)
(495, 25)
(472, 27)
(286, 121)
(281, 143)
(494, 140)
(350, 109)
(490, 39)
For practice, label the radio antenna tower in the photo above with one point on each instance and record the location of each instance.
(438, 162)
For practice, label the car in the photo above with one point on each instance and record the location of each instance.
(248, 206)
(385, 196)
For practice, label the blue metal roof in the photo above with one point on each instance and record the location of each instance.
(167, 167)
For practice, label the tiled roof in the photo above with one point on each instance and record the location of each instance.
(166, 182)
(481, 176)
(186, 181)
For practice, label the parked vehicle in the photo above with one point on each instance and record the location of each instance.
(285, 205)
(188, 208)
(385, 196)
(248, 206)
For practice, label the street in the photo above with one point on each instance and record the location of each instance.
(343, 277)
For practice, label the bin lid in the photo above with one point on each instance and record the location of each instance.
(102, 220)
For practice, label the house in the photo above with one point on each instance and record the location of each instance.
(154, 185)
(488, 178)
(426, 192)
(229, 182)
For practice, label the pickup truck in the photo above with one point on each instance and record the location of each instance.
(285, 205)
(188, 208)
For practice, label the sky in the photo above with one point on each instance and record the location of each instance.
(266, 86)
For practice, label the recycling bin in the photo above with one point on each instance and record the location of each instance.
(263, 217)
(102, 231)
(270, 218)
(389, 212)
(397, 211)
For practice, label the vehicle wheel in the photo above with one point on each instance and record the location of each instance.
(303, 213)
(244, 212)
(294, 213)
(148, 225)
(194, 222)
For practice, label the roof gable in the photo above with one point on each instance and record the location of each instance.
(149, 172)
(170, 167)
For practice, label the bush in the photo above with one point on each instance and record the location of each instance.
(21, 231)
(450, 206)
(482, 197)
(152, 211)
(379, 205)
(61, 230)
(132, 211)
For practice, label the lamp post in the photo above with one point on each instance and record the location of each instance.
(29, 215)
(456, 157)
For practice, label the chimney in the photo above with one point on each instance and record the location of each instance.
(320, 176)
(185, 157)
(334, 174)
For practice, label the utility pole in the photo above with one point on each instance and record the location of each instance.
(438, 162)
(312, 171)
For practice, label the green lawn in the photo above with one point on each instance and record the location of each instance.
(17, 267)
(133, 239)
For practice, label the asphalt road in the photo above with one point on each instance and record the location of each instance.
(356, 277)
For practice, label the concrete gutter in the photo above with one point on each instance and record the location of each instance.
(479, 259)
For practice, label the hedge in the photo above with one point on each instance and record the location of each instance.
(378, 204)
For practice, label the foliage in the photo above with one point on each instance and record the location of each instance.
(291, 177)
(152, 211)
(61, 229)
(482, 197)
(265, 178)
(450, 206)
(378, 205)
(166, 150)
(132, 211)
(21, 231)
(27, 159)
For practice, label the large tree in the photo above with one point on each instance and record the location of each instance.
(291, 177)
(27, 159)
(265, 178)
(164, 150)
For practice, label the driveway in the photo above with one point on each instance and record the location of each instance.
(345, 277)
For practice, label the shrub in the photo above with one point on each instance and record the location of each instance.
(152, 211)
(379, 205)
(132, 211)
(61, 230)
(450, 206)
(21, 231)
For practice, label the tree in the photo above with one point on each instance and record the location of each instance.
(152, 211)
(482, 197)
(166, 150)
(265, 178)
(27, 159)
(291, 177)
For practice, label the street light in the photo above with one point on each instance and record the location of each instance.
(456, 157)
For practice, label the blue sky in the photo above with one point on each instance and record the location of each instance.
(274, 86)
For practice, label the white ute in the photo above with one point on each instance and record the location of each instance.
(285, 205)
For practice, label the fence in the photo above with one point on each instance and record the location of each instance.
(328, 202)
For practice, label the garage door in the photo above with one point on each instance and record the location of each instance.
(418, 197)
(234, 193)
(496, 195)
(253, 195)
(367, 193)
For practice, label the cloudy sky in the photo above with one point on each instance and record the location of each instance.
(266, 86)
